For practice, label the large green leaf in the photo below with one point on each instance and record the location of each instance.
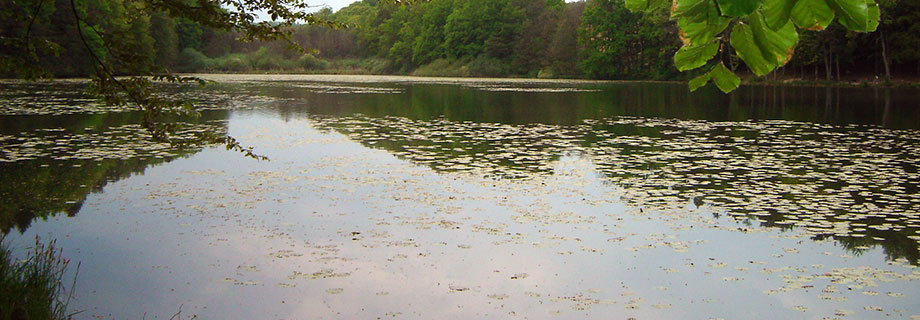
(699, 21)
(777, 12)
(776, 46)
(738, 8)
(698, 82)
(874, 15)
(742, 39)
(693, 11)
(725, 79)
(694, 56)
(812, 14)
(701, 32)
(852, 14)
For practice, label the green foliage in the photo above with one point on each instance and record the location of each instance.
(33, 288)
(499, 37)
(764, 34)
(738, 8)
(694, 56)
(620, 44)
(596, 39)
(443, 68)
(195, 60)
(310, 62)
(115, 38)
(166, 40)
(811, 14)
(724, 79)
(484, 66)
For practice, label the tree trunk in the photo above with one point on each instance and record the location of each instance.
(837, 63)
(885, 58)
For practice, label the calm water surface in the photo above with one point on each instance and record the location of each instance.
(395, 197)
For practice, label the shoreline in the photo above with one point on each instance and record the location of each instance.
(358, 77)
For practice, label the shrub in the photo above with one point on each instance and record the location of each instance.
(443, 68)
(233, 62)
(377, 66)
(488, 67)
(194, 60)
(546, 73)
(310, 62)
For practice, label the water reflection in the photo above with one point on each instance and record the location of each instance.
(885, 107)
(488, 207)
(844, 181)
(50, 164)
(826, 172)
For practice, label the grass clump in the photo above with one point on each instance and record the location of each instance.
(33, 288)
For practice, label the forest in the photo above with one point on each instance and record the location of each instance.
(594, 39)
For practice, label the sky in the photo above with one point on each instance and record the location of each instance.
(334, 4)
(339, 4)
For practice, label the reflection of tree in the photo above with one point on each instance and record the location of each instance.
(45, 182)
(41, 189)
(505, 103)
(777, 173)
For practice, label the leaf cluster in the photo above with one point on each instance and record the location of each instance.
(762, 33)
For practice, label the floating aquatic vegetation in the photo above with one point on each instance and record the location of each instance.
(70, 97)
(610, 216)
(844, 183)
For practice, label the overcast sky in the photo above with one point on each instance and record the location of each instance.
(339, 4)
(334, 4)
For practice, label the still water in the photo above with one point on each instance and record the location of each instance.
(397, 197)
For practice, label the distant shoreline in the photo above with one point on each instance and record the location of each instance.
(360, 77)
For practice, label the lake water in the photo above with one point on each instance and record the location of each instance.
(398, 197)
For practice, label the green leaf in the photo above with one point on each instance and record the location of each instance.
(742, 39)
(738, 8)
(852, 14)
(812, 14)
(701, 32)
(776, 46)
(699, 21)
(693, 11)
(694, 56)
(725, 79)
(777, 12)
(698, 82)
(874, 15)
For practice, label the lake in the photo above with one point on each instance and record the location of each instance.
(420, 198)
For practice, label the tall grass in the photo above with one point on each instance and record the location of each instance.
(33, 288)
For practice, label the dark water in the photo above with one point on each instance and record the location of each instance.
(420, 198)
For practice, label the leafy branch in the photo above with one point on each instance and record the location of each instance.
(763, 33)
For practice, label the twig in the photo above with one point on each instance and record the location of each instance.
(106, 72)
(32, 21)
(177, 313)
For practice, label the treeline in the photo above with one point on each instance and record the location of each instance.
(597, 39)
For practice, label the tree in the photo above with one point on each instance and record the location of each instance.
(762, 33)
(113, 35)
(564, 48)
(619, 44)
(429, 45)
